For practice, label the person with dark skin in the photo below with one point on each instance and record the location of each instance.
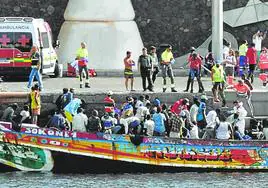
(246, 81)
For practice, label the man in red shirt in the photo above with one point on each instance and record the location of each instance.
(243, 93)
(252, 60)
(180, 105)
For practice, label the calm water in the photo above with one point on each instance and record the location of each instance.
(189, 180)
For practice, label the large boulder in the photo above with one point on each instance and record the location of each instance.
(107, 42)
(99, 10)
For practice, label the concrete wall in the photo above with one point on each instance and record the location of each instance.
(95, 100)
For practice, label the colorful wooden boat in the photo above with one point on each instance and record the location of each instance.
(41, 149)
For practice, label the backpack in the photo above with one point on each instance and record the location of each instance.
(145, 61)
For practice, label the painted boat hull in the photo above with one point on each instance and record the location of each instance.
(65, 151)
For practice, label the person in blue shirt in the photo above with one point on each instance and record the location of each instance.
(159, 119)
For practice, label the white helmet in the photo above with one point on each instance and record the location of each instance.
(110, 93)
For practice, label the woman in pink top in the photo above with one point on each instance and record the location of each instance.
(195, 64)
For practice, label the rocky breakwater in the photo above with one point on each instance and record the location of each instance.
(106, 26)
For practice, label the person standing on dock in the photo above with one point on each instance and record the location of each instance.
(167, 60)
(128, 72)
(155, 62)
(145, 67)
(36, 66)
(82, 57)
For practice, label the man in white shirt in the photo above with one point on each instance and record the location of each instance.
(141, 113)
(257, 39)
(80, 121)
(212, 120)
(194, 109)
(240, 113)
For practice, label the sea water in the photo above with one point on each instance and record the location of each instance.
(161, 180)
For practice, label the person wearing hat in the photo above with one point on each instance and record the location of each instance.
(155, 62)
(145, 67)
(166, 65)
(218, 80)
(109, 103)
(82, 57)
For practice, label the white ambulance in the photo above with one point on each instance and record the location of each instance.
(17, 36)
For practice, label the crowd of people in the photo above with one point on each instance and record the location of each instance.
(141, 115)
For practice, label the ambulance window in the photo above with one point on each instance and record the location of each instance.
(23, 41)
(45, 40)
(20, 40)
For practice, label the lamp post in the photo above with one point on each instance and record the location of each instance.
(217, 29)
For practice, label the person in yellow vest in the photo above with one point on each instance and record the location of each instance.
(218, 80)
(166, 60)
(35, 102)
(243, 48)
(82, 57)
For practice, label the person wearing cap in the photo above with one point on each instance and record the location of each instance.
(252, 61)
(35, 103)
(243, 48)
(82, 57)
(9, 113)
(180, 105)
(218, 80)
(128, 72)
(109, 103)
(155, 62)
(145, 67)
(166, 65)
(36, 66)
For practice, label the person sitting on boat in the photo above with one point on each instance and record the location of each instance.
(132, 124)
(239, 116)
(238, 135)
(212, 120)
(25, 115)
(9, 113)
(149, 125)
(107, 123)
(57, 120)
(142, 111)
(201, 115)
(109, 103)
(94, 122)
(243, 93)
(80, 121)
(159, 119)
(176, 124)
(128, 107)
(180, 105)
(223, 129)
